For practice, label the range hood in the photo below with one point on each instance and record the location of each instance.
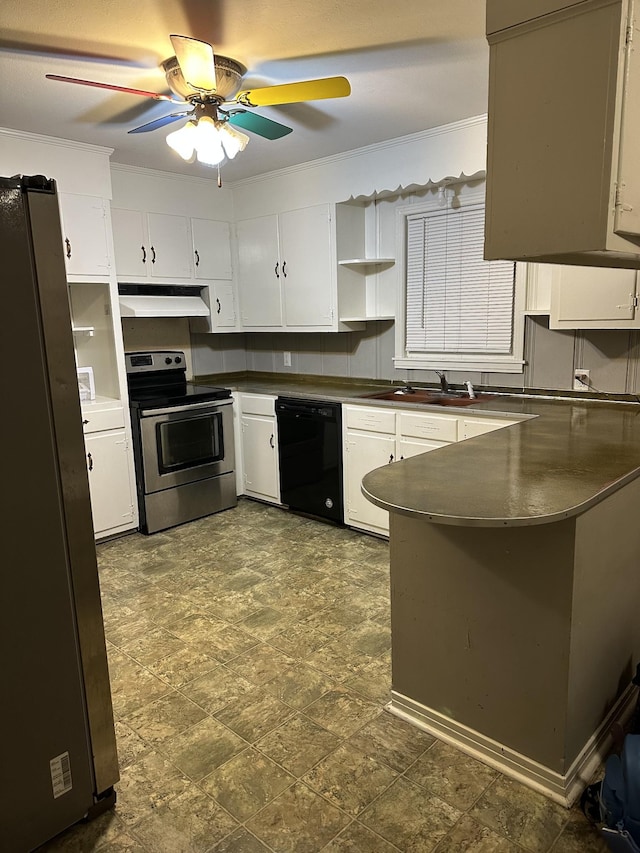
(161, 300)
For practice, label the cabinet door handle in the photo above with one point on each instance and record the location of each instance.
(67, 243)
(144, 254)
(271, 441)
(276, 270)
(390, 459)
(90, 458)
(195, 252)
(219, 306)
(153, 255)
(284, 269)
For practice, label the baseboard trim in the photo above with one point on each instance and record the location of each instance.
(564, 789)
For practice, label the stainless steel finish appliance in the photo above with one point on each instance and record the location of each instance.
(310, 455)
(59, 755)
(182, 442)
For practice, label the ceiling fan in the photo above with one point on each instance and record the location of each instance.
(210, 87)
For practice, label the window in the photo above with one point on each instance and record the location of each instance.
(459, 310)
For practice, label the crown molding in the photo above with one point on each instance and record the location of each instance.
(158, 173)
(55, 140)
(397, 142)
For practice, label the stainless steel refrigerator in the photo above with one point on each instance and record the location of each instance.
(59, 760)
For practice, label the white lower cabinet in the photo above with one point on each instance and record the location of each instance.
(376, 437)
(259, 447)
(110, 482)
(362, 453)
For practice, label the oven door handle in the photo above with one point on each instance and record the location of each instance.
(190, 407)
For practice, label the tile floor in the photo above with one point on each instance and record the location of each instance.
(249, 655)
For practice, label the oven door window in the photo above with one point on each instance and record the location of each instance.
(189, 442)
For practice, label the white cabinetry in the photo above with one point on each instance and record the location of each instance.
(151, 246)
(167, 249)
(211, 243)
(83, 177)
(594, 298)
(375, 437)
(369, 441)
(563, 175)
(259, 440)
(366, 287)
(287, 276)
(97, 342)
(259, 273)
(85, 236)
(110, 481)
(169, 245)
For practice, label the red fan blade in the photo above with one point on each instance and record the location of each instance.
(141, 92)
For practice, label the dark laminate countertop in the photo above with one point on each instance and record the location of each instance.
(567, 455)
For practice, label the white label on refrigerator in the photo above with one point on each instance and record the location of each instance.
(60, 774)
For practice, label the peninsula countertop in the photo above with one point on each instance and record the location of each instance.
(565, 455)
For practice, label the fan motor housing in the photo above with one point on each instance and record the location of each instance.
(229, 75)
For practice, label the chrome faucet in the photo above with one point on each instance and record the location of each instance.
(444, 385)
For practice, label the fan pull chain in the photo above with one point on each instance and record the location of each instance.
(219, 176)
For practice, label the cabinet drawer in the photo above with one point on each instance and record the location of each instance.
(373, 420)
(442, 427)
(97, 420)
(472, 427)
(258, 404)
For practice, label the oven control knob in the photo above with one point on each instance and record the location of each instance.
(168, 360)
(178, 359)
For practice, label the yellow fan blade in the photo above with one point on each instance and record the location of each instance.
(195, 59)
(292, 93)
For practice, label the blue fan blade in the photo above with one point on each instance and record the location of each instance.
(257, 124)
(159, 122)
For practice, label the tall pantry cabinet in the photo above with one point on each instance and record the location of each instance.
(84, 191)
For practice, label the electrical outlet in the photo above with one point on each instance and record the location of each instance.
(287, 359)
(581, 379)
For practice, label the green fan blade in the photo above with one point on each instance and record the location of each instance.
(257, 124)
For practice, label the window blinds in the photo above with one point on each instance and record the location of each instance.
(456, 301)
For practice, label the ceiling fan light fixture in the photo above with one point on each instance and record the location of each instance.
(208, 142)
(232, 140)
(207, 139)
(183, 141)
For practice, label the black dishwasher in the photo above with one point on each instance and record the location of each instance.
(310, 454)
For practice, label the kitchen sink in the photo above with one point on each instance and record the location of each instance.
(429, 397)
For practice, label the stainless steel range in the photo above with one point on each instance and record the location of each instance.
(182, 441)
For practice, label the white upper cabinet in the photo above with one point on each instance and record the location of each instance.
(85, 236)
(151, 246)
(211, 249)
(169, 245)
(287, 271)
(166, 248)
(259, 272)
(563, 172)
(307, 268)
(594, 298)
(130, 243)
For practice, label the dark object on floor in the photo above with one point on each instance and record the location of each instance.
(634, 722)
(614, 803)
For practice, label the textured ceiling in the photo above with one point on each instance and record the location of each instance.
(413, 64)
